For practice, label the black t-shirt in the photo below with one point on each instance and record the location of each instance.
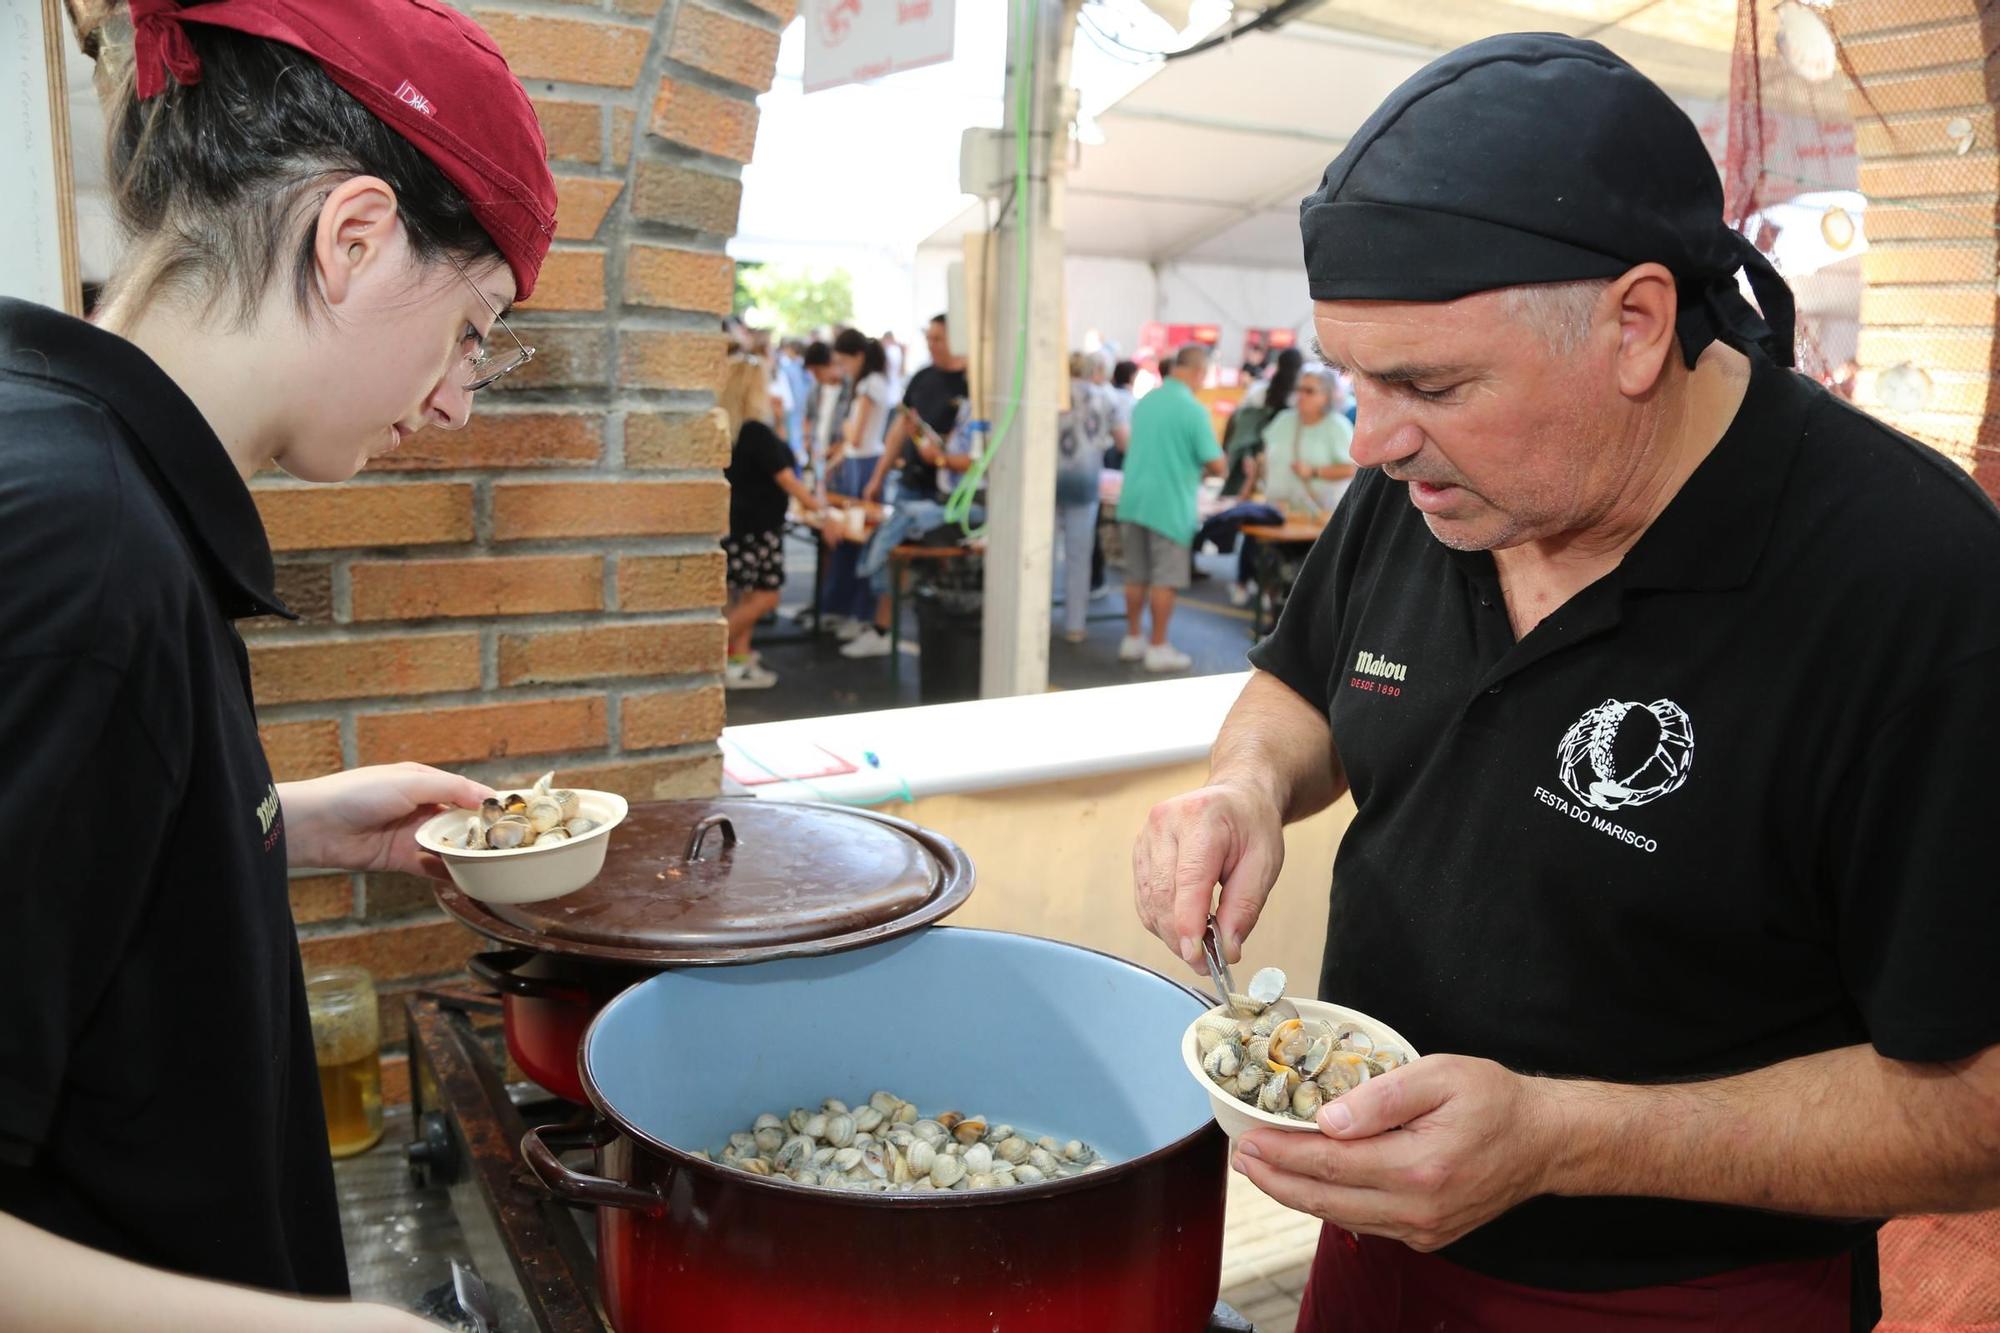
(936, 395)
(1727, 806)
(756, 501)
(158, 1097)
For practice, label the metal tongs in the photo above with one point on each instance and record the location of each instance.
(1218, 970)
(474, 1299)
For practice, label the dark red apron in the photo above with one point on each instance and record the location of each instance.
(1370, 1285)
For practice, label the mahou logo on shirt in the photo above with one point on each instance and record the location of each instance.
(1625, 754)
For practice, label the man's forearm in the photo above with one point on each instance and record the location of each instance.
(1844, 1133)
(1275, 741)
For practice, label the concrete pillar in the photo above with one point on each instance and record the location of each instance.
(1020, 502)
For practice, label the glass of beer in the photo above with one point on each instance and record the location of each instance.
(347, 1045)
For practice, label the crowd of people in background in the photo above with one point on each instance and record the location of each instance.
(840, 422)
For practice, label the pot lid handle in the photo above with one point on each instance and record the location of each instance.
(701, 831)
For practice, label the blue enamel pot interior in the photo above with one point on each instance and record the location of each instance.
(1052, 1038)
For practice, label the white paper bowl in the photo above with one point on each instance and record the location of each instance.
(527, 874)
(1235, 1117)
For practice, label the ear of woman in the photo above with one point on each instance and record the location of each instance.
(358, 226)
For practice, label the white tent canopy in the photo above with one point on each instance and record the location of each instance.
(1188, 209)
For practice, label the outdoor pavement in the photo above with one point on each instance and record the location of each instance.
(815, 680)
(1267, 1251)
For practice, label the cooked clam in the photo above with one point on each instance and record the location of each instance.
(830, 1149)
(921, 1155)
(535, 818)
(1259, 1049)
(1276, 1094)
(1386, 1058)
(509, 832)
(1267, 987)
(1211, 1030)
(1345, 1072)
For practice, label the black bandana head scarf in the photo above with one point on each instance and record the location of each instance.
(1534, 157)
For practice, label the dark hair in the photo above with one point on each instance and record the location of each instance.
(1192, 354)
(940, 319)
(1283, 380)
(818, 354)
(1123, 374)
(853, 342)
(225, 176)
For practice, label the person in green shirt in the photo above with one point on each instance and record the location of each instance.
(1172, 447)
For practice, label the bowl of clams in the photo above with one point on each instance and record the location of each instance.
(526, 846)
(1268, 1061)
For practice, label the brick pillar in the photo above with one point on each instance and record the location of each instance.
(1934, 202)
(541, 590)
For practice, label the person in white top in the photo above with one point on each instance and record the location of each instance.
(859, 358)
(893, 361)
(821, 415)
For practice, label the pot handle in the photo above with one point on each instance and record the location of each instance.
(496, 969)
(576, 1187)
(700, 833)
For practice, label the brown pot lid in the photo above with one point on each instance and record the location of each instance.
(736, 880)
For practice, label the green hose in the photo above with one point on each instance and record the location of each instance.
(958, 507)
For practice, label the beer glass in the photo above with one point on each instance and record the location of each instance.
(347, 1045)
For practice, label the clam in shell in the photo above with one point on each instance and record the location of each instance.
(1285, 1064)
(508, 833)
(827, 1149)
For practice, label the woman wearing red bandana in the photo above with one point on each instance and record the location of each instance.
(329, 203)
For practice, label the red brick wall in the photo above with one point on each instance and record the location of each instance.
(1930, 272)
(541, 590)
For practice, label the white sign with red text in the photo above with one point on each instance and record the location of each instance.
(852, 41)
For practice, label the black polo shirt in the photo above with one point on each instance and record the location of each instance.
(1727, 806)
(158, 1097)
(936, 396)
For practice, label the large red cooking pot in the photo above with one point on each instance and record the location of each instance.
(692, 883)
(1054, 1039)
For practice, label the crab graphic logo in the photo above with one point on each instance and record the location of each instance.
(837, 19)
(1621, 754)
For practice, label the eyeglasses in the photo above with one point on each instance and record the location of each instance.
(481, 367)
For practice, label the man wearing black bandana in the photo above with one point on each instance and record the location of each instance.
(1662, 681)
